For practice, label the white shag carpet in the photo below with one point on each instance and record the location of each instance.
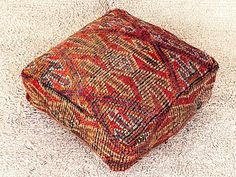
(31, 144)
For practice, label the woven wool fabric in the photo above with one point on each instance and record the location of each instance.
(122, 85)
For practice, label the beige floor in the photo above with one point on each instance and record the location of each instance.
(33, 145)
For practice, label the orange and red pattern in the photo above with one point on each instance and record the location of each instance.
(122, 85)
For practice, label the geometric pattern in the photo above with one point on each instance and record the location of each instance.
(122, 85)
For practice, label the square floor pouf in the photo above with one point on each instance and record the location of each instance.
(121, 85)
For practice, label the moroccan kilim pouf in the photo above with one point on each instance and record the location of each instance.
(121, 85)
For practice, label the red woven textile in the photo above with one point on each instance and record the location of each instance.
(121, 85)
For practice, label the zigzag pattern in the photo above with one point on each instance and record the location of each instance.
(121, 84)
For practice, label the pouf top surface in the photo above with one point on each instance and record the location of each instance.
(122, 72)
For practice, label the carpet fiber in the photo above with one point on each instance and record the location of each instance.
(31, 144)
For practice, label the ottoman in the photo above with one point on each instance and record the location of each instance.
(122, 85)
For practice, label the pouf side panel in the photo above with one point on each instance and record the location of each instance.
(184, 108)
(67, 115)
